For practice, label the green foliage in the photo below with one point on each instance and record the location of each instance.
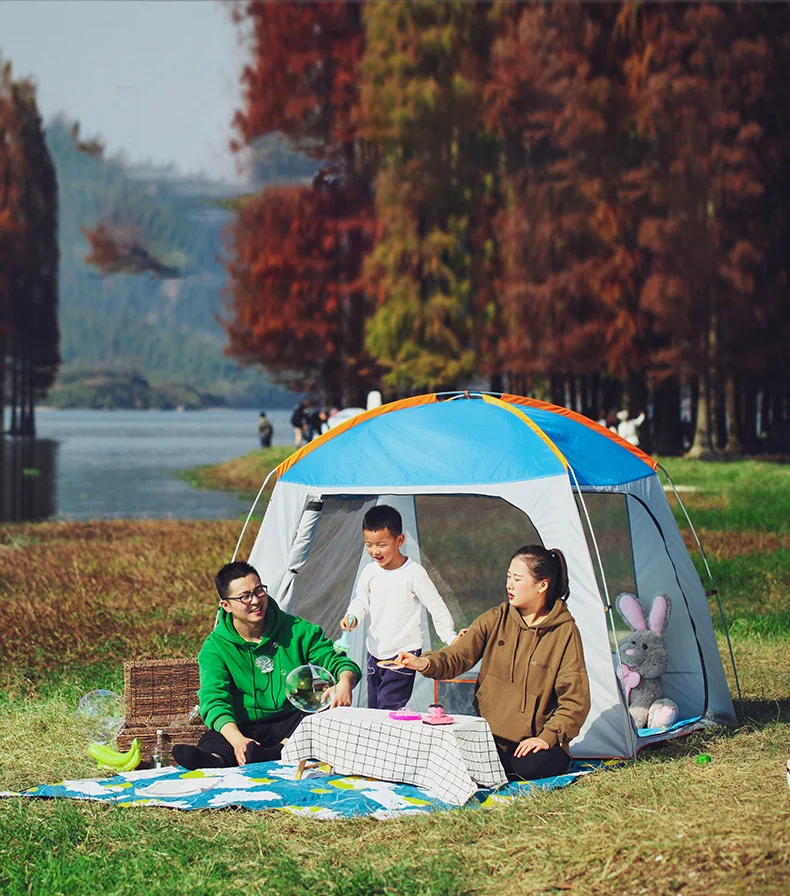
(733, 494)
(167, 329)
(422, 108)
(114, 389)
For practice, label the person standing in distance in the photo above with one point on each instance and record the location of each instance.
(265, 430)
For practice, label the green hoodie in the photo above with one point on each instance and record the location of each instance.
(234, 683)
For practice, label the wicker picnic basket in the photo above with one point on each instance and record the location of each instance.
(160, 695)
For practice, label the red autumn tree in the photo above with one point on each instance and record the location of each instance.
(570, 263)
(29, 335)
(302, 84)
(697, 80)
(291, 304)
(117, 249)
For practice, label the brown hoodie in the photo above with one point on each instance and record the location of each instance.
(532, 682)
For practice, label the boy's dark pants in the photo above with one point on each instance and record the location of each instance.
(389, 688)
(269, 735)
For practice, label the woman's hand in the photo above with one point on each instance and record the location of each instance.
(410, 661)
(531, 745)
(460, 634)
(348, 623)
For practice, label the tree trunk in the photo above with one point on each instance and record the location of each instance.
(701, 446)
(718, 411)
(666, 429)
(594, 397)
(14, 421)
(573, 396)
(2, 384)
(748, 404)
(732, 444)
(558, 390)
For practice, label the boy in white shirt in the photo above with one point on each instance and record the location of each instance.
(392, 592)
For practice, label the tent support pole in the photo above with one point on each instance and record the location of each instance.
(607, 604)
(252, 510)
(714, 592)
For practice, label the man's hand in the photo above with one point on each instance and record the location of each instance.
(240, 749)
(530, 745)
(237, 740)
(340, 694)
(410, 661)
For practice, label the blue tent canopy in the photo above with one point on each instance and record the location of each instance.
(470, 440)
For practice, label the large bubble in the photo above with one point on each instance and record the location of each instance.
(305, 685)
(100, 716)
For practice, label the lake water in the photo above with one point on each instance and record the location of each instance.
(120, 464)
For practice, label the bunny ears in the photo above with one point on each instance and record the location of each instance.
(632, 611)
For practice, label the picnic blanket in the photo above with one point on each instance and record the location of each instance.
(273, 785)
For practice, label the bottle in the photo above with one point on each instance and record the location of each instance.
(343, 644)
(159, 749)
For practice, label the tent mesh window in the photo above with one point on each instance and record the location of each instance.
(456, 695)
(466, 542)
(609, 517)
(325, 583)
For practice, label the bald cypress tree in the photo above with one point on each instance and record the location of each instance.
(29, 356)
(421, 98)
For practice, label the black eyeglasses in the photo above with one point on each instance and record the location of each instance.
(260, 591)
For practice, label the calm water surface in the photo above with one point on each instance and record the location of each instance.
(120, 464)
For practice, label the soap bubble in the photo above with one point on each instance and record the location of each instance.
(100, 716)
(305, 685)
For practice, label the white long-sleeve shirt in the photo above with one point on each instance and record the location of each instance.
(393, 599)
(627, 429)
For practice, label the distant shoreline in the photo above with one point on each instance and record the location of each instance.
(252, 408)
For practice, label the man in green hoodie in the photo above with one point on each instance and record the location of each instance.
(243, 666)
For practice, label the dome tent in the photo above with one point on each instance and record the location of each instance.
(474, 476)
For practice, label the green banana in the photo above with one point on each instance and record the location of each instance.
(133, 761)
(115, 761)
(106, 755)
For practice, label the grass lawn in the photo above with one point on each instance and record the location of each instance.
(79, 598)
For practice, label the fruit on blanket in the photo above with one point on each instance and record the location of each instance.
(115, 761)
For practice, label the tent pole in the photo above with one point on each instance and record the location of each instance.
(714, 592)
(252, 509)
(607, 604)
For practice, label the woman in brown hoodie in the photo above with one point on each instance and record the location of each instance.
(532, 688)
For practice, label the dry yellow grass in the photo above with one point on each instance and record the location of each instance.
(79, 593)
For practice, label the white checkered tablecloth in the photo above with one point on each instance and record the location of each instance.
(451, 761)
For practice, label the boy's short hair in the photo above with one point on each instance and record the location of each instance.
(238, 569)
(382, 516)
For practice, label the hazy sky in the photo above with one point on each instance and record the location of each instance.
(156, 79)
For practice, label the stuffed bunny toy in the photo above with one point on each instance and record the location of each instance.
(643, 659)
